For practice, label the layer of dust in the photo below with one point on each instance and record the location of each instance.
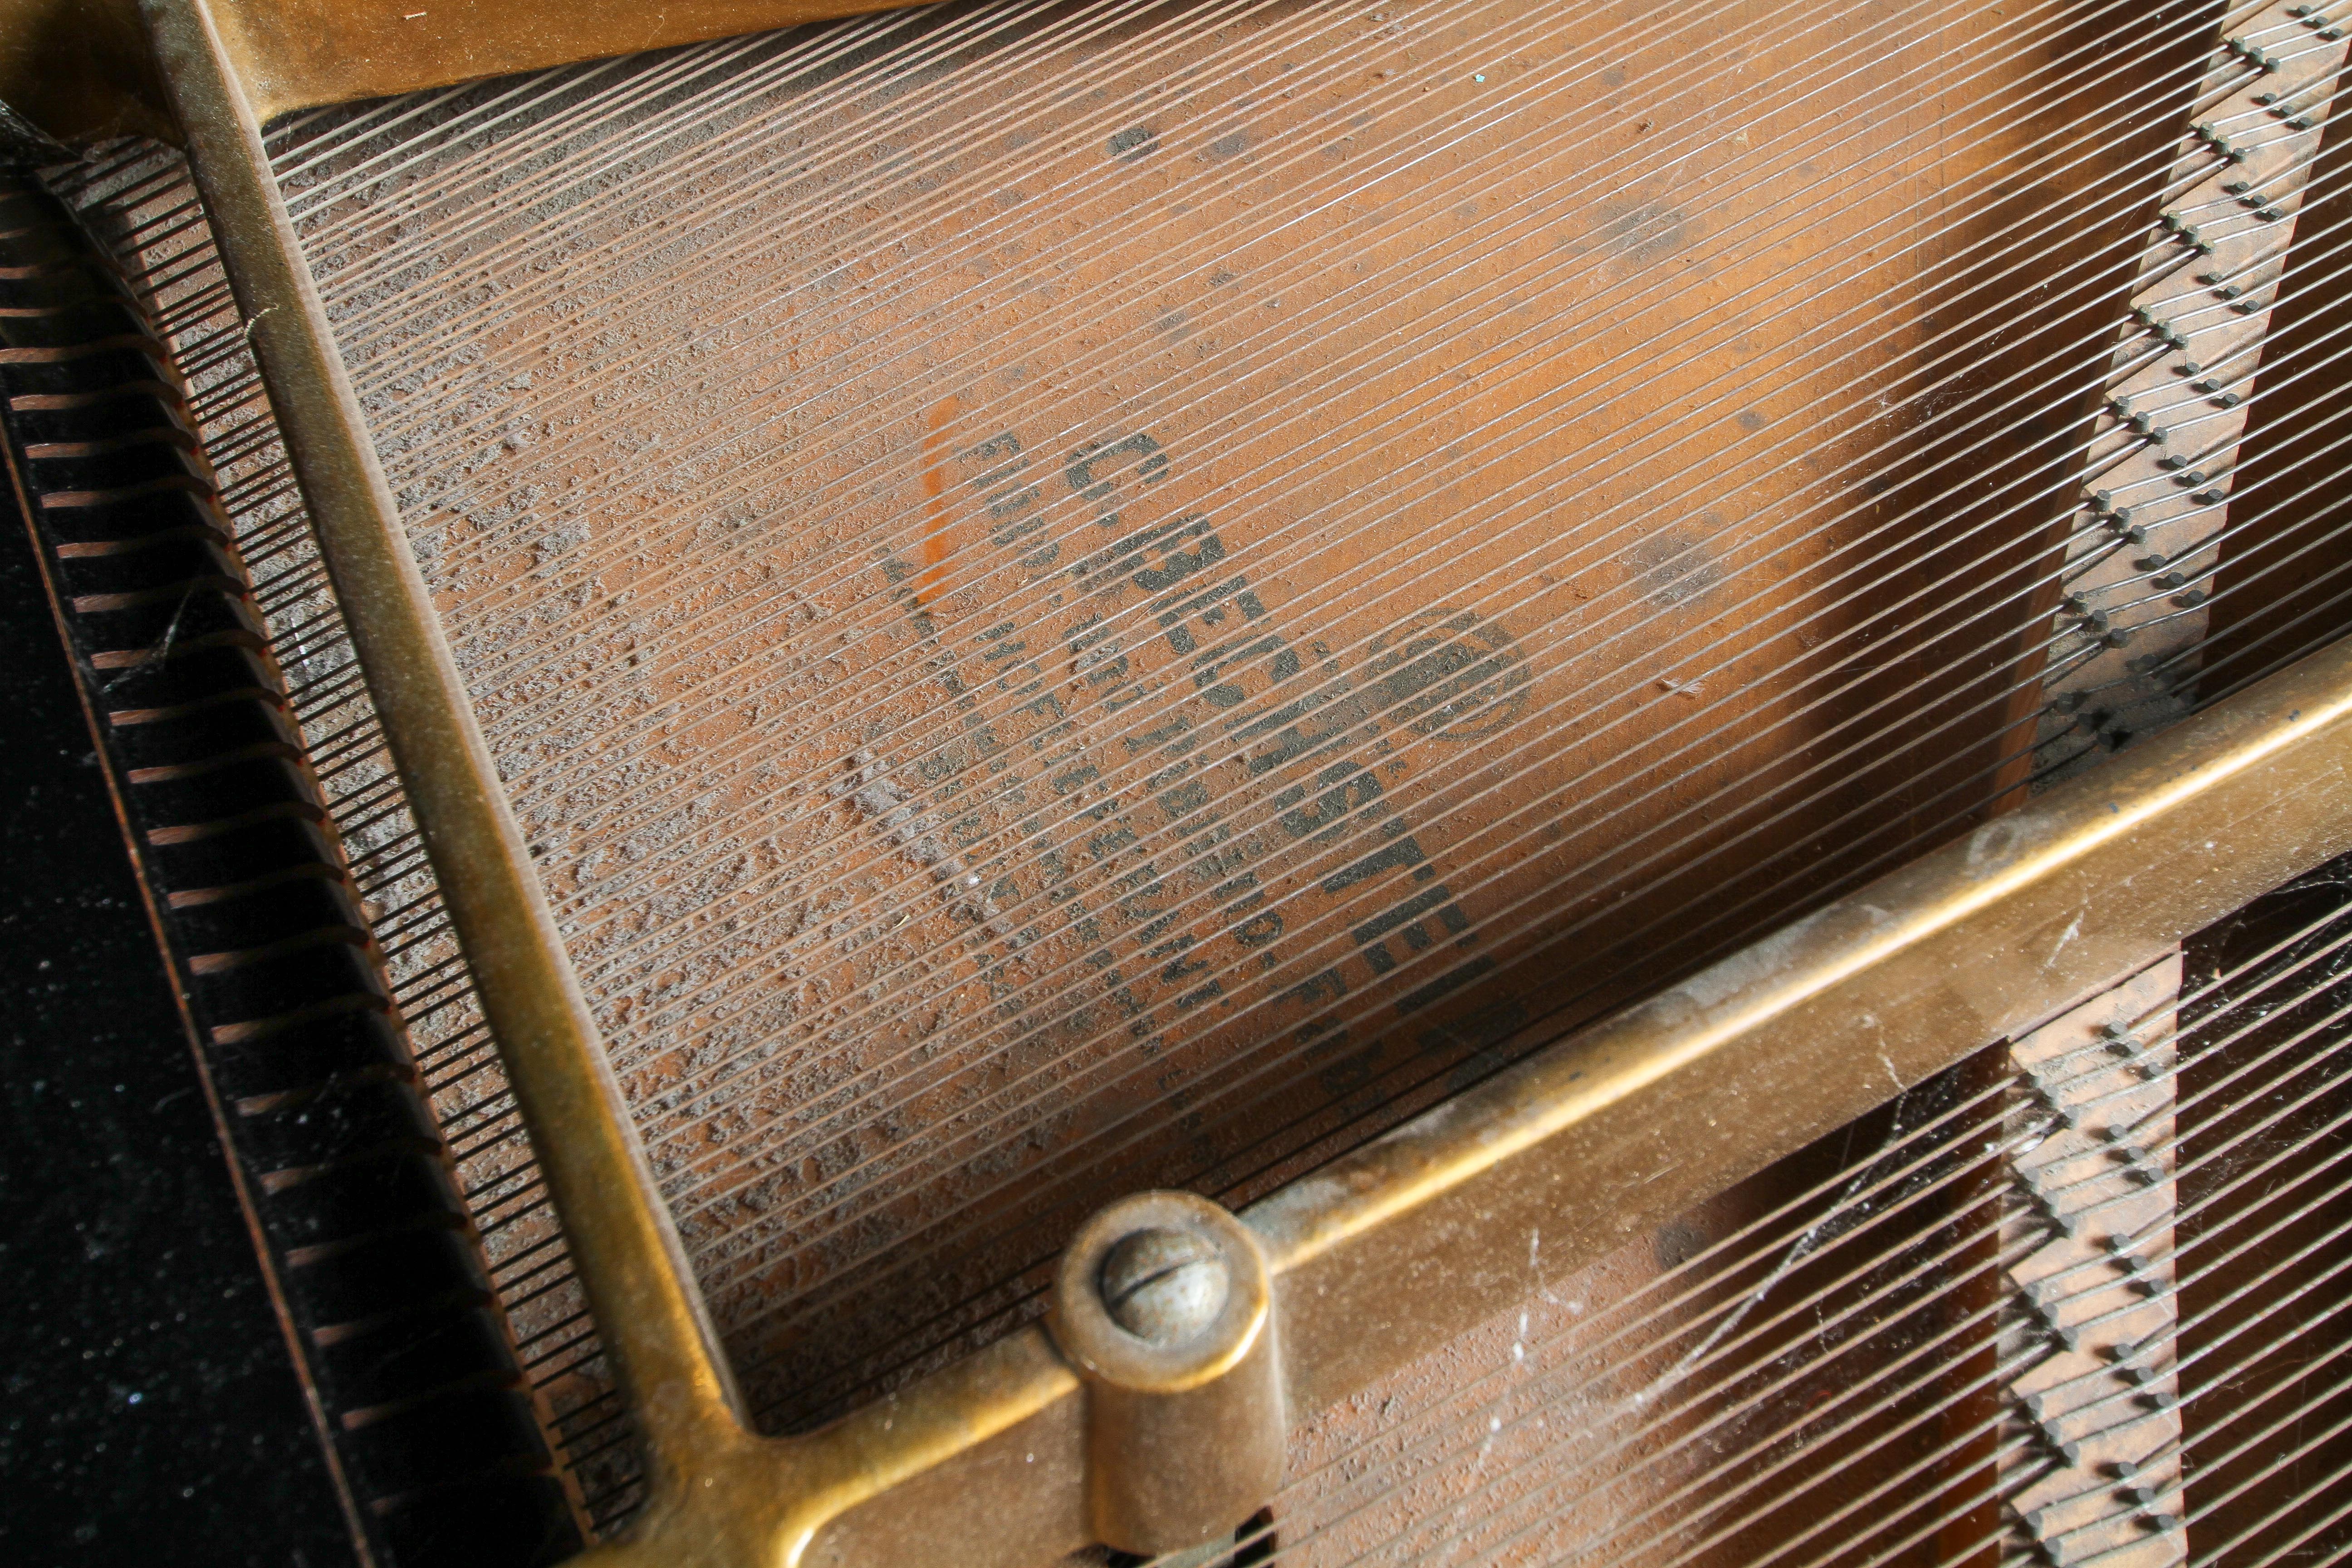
(139, 197)
(1095, 596)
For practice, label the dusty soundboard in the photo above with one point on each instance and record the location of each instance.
(1077, 598)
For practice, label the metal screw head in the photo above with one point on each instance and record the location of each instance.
(1164, 1286)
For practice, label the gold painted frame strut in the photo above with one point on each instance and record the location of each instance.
(1375, 1259)
(618, 1230)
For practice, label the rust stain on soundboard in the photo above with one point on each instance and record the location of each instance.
(935, 491)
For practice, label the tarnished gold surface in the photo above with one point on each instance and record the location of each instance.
(293, 54)
(1633, 1121)
(1530, 1176)
(1183, 1438)
(1602, 1136)
(75, 66)
(620, 1233)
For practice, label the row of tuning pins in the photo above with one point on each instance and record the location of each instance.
(2149, 1494)
(2189, 471)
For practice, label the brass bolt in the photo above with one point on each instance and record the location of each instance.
(1164, 1286)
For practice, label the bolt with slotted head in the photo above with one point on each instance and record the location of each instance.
(1164, 1286)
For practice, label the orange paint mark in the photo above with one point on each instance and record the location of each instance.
(935, 498)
